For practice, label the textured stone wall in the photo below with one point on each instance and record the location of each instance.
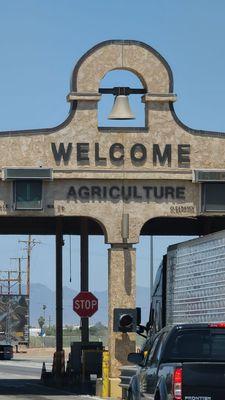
(121, 292)
(144, 199)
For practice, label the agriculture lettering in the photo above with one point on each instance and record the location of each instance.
(126, 193)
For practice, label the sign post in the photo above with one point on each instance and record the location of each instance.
(84, 274)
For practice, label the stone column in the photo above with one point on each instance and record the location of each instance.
(121, 294)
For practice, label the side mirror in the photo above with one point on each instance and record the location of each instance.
(135, 358)
(140, 331)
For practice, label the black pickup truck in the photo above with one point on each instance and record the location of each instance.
(185, 362)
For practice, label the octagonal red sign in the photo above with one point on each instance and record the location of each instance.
(85, 304)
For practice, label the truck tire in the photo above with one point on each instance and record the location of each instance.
(157, 396)
(130, 395)
(124, 394)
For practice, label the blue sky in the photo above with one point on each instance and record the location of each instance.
(40, 43)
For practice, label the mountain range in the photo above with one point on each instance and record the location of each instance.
(41, 295)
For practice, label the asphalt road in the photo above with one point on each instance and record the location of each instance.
(20, 379)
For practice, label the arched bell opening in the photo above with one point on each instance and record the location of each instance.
(123, 106)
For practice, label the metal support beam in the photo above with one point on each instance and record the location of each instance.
(121, 90)
(84, 281)
(59, 356)
(59, 287)
(151, 267)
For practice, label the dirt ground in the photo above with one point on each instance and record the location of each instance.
(38, 352)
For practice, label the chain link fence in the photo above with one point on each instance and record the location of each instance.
(50, 341)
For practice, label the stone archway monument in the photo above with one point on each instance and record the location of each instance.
(120, 177)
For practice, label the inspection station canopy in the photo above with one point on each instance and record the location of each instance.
(161, 169)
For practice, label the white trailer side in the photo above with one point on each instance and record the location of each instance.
(196, 280)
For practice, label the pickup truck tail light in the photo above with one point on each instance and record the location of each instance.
(177, 384)
(217, 325)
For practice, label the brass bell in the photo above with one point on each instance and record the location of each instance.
(121, 108)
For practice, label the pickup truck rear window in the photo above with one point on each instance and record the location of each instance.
(200, 345)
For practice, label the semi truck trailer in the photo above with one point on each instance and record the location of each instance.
(190, 284)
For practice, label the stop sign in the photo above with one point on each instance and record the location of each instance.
(85, 304)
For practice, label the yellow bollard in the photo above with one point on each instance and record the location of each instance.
(105, 374)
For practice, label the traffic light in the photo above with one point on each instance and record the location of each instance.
(125, 320)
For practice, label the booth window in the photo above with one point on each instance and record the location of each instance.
(213, 196)
(27, 194)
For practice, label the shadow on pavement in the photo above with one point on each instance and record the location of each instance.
(29, 386)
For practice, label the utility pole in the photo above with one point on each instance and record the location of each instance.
(28, 264)
(19, 273)
(30, 243)
(19, 276)
(8, 282)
